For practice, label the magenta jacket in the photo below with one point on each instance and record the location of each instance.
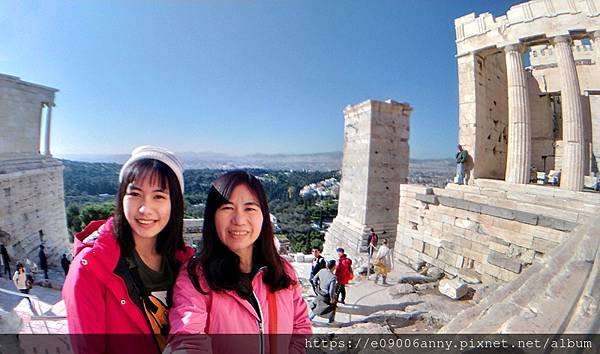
(227, 313)
(96, 298)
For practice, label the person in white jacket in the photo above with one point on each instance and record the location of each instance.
(383, 262)
(20, 279)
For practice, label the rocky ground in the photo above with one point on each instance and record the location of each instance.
(410, 303)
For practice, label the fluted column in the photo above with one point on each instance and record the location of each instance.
(572, 115)
(49, 106)
(519, 119)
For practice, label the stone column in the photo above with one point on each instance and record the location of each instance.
(572, 111)
(595, 108)
(49, 106)
(519, 119)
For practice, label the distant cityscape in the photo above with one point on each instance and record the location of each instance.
(430, 172)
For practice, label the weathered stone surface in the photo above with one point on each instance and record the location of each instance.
(415, 279)
(425, 287)
(555, 223)
(435, 273)
(527, 218)
(498, 212)
(427, 198)
(502, 261)
(401, 289)
(417, 264)
(375, 159)
(453, 288)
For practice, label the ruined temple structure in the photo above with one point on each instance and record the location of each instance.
(540, 242)
(32, 208)
(374, 165)
(515, 117)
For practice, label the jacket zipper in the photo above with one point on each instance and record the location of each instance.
(260, 325)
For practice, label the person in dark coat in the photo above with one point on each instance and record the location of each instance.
(65, 263)
(317, 264)
(5, 260)
(43, 261)
(325, 304)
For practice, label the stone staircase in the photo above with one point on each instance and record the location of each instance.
(558, 295)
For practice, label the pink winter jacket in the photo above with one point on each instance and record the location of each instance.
(227, 313)
(97, 300)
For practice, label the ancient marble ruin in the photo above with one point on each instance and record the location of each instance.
(514, 117)
(539, 241)
(374, 165)
(32, 210)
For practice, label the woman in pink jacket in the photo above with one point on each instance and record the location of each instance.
(238, 284)
(122, 275)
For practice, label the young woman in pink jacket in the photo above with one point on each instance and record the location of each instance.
(123, 271)
(238, 284)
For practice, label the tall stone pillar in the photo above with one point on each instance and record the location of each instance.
(519, 119)
(572, 110)
(374, 165)
(49, 106)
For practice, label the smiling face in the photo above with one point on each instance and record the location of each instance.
(147, 208)
(239, 221)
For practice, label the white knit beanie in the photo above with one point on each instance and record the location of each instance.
(155, 153)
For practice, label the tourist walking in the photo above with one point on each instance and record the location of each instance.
(461, 159)
(20, 279)
(318, 263)
(43, 261)
(343, 273)
(238, 283)
(5, 260)
(124, 267)
(327, 288)
(383, 262)
(65, 263)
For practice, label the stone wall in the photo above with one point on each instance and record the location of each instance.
(33, 201)
(32, 210)
(374, 165)
(490, 231)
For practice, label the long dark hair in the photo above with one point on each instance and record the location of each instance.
(220, 265)
(170, 238)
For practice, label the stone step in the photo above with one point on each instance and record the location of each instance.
(542, 299)
(534, 189)
(549, 198)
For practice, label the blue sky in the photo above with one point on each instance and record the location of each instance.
(236, 77)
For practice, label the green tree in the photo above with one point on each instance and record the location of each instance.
(92, 212)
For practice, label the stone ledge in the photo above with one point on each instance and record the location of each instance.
(427, 198)
(508, 214)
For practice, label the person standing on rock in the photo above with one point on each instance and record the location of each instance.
(318, 263)
(343, 273)
(383, 262)
(461, 159)
(5, 260)
(327, 288)
(43, 261)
